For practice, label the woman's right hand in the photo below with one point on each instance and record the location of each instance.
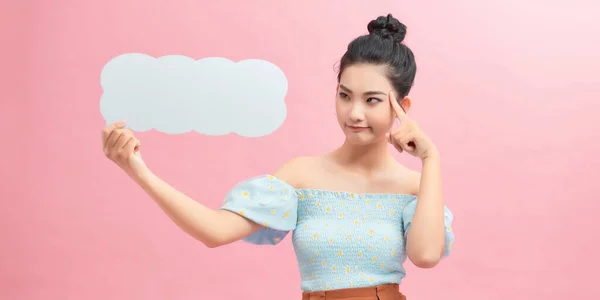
(123, 148)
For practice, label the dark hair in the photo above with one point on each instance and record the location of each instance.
(383, 46)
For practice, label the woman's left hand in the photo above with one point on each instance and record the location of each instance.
(408, 136)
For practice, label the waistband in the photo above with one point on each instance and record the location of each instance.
(381, 292)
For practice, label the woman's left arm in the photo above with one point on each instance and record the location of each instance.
(427, 220)
(426, 237)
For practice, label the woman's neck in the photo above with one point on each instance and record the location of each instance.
(363, 158)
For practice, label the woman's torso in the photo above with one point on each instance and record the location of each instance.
(350, 231)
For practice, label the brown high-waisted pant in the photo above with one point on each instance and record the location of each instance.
(381, 292)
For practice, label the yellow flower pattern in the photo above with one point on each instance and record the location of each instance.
(341, 239)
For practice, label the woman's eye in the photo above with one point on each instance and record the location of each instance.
(343, 95)
(373, 100)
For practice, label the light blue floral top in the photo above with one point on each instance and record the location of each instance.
(341, 239)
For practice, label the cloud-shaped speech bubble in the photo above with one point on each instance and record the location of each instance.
(176, 94)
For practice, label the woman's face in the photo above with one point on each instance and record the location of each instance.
(362, 103)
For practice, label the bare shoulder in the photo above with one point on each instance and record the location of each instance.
(414, 181)
(410, 179)
(295, 170)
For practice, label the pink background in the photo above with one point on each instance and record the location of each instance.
(509, 90)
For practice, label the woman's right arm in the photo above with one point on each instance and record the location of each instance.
(213, 228)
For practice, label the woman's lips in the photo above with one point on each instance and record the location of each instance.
(358, 128)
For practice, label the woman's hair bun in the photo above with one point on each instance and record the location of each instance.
(387, 27)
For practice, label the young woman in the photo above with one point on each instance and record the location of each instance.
(353, 211)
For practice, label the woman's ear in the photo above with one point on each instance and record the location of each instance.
(405, 104)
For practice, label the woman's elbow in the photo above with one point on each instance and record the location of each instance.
(425, 261)
(210, 242)
(215, 242)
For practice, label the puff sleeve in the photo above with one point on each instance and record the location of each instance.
(268, 201)
(409, 212)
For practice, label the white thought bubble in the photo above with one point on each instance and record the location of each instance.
(176, 94)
